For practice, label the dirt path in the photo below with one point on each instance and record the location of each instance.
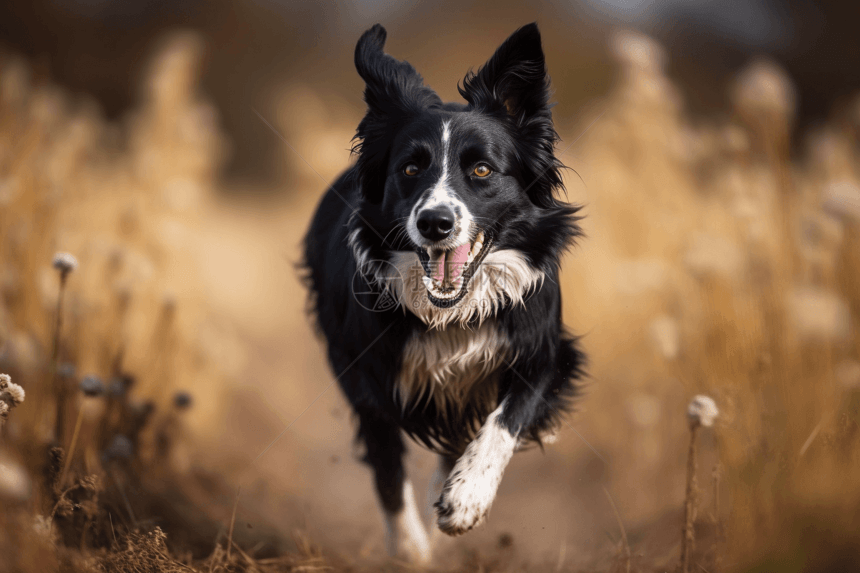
(551, 508)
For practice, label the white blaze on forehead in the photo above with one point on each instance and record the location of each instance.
(441, 194)
(442, 191)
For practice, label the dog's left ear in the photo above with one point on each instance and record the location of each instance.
(513, 80)
(514, 84)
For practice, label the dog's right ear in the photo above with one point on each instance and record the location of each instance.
(394, 92)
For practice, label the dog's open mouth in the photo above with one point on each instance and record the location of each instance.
(448, 272)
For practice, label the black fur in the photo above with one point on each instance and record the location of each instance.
(507, 124)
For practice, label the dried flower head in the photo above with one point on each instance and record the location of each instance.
(65, 263)
(117, 388)
(119, 448)
(66, 370)
(10, 392)
(764, 89)
(44, 527)
(10, 396)
(92, 386)
(16, 394)
(14, 481)
(182, 400)
(842, 200)
(636, 50)
(702, 411)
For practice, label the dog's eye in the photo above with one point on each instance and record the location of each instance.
(410, 170)
(482, 170)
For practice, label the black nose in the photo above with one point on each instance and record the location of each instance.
(435, 224)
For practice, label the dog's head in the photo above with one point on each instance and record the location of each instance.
(454, 183)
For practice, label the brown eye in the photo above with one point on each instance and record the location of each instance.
(410, 170)
(482, 170)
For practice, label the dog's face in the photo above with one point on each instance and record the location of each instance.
(454, 183)
(451, 182)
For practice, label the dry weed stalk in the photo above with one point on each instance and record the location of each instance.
(624, 545)
(65, 264)
(91, 387)
(700, 413)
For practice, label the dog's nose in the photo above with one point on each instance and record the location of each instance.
(435, 224)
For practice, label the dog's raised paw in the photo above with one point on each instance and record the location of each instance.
(463, 505)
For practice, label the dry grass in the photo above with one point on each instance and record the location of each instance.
(719, 264)
(716, 263)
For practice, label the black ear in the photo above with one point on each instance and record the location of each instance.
(513, 80)
(514, 85)
(394, 93)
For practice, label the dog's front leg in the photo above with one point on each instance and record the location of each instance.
(536, 392)
(470, 489)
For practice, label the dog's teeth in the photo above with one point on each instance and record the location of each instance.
(429, 251)
(480, 237)
(428, 282)
(476, 248)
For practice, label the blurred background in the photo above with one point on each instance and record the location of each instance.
(178, 150)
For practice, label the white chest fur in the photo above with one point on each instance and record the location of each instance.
(451, 365)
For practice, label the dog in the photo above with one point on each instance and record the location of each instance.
(433, 266)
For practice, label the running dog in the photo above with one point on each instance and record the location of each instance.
(433, 268)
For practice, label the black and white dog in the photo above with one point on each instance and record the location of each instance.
(450, 218)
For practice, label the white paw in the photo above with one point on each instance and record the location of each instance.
(471, 488)
(465, 501)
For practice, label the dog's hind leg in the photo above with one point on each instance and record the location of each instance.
(404, 530)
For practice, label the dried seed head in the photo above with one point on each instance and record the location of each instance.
(66, 370)
(816, 313)
(702, 411)
(65, 263)
(119, 448)
(182, 400)
(16, 394)
(92, 386)
(14, 481)
(120, 385)
(10, 393)
(764, 90)
(142, 410)
(117, 388)
(44, 527)
(92, 483)
(842, 200)
(638, 51)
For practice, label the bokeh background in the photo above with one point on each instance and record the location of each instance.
(179, 149)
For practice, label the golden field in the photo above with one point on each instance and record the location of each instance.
(721, 257)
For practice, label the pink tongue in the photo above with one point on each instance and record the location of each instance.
(455, 261)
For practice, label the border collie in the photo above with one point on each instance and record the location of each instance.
(433, 268)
